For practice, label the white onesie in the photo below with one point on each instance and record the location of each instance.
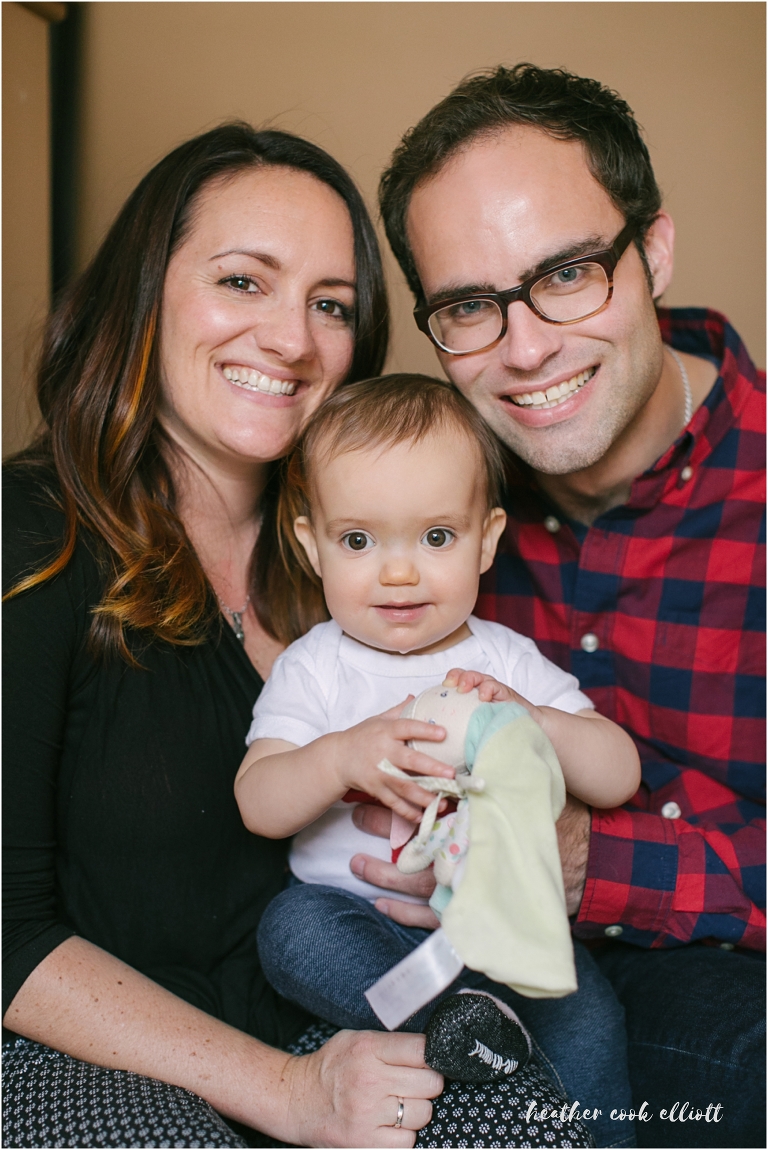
(327, 682)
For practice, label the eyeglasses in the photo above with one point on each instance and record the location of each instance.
(565, 293)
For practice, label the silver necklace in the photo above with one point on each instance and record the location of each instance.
(236, 617)
(686, 386)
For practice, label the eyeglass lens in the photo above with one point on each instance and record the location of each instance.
(564, 296)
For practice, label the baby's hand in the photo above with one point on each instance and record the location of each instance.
(489, 690)
(385, 736)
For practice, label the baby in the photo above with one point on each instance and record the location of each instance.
(393, 495)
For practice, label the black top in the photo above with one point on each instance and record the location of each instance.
(119, 818)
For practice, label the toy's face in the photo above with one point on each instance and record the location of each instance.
(400, 536)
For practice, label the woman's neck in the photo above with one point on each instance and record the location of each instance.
(217, 500)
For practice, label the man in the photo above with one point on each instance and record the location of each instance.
(631, 556)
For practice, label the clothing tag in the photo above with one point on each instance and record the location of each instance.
(415, 981)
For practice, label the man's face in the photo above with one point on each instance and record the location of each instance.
(499, 212)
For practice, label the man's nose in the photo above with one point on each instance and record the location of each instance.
(398, 570)
(283, 330)
(529, 341)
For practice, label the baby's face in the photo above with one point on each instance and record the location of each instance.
(400, 536)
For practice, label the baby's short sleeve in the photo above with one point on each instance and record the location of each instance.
(519, 663)
(293, 704)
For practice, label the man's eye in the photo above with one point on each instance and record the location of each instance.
(241, 283)
(568, 277)
(357, 541)
(438, 537)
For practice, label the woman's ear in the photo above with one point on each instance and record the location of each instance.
(659, 247)
(495, 522)
(305, 533)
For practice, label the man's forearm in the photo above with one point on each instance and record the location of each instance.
(573, 833)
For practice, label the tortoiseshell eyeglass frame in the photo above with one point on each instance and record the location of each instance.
(608, 259)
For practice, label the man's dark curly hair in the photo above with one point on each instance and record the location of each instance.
(568, 107)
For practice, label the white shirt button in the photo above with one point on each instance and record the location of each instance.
(552, 524)
(614, 931)
(686, 474)
(671, 811)
(589, 642)
(726, 946)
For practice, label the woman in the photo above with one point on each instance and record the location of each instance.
(239, 285)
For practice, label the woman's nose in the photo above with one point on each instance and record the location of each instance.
(528, 341)
(284, 330)
(398, 571)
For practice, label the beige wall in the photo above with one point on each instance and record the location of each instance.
(354, 76)
(26, 226)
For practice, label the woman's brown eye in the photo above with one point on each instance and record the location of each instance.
(438, 537)
(241, 283)
(357, 541)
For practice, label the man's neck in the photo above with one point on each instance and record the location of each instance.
(585, 495)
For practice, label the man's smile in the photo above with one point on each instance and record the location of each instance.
(555, 403)
(554, 394)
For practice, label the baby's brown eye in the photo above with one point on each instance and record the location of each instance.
(357, 541)
(438, 537)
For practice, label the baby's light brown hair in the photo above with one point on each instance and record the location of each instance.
(381, 412)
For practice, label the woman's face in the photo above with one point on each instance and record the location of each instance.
(257, 317)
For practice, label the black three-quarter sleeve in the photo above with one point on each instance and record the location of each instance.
(40, 635)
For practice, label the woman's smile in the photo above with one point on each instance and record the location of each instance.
(250, 379)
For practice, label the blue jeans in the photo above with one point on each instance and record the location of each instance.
(322, 947)
(696, 1025)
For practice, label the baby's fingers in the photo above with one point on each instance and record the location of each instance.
(403, 790)
(416, 729)
(399, 802)
(420, 764)
(463, 680)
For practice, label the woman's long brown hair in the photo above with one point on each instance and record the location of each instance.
(98, 387)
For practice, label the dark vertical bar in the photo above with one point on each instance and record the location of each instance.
(66, 41)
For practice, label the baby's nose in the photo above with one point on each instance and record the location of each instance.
(399, 569)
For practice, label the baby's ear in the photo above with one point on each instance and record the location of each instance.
(495, 522)
(305, 533)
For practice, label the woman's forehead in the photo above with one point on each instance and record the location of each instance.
(267, 203)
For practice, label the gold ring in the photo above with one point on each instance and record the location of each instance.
(400, 1113)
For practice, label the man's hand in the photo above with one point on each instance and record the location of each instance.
(573, 833)
(377, 821)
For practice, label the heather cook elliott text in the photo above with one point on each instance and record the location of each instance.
(679, 1112)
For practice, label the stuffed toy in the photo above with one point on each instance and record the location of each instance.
(500, 894)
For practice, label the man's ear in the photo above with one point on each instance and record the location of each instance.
(495, 522)
(305, 533)
(659, 252)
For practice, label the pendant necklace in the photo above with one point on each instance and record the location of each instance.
(236, 617)
(686, 387)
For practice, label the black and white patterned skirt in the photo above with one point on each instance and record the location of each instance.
(52, 1100)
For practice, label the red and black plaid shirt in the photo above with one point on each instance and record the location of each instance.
(658, 608)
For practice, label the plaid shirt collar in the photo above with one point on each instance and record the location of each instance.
(697, 331)
(706, 333)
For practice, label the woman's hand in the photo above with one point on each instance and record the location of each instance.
(377, 821)
(346, 1093)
